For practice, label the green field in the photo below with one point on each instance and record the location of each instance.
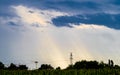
(62, 72)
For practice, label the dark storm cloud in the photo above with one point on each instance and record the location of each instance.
(77, 6)
(111, 21)
(103, 12)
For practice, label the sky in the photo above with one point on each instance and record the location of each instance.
(47, 31)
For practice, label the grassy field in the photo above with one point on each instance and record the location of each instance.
(62, 72)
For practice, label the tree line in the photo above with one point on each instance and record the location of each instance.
(78, 65)
(13, 67)
(93, 65)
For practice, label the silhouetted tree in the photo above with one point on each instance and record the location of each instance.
(92, 65)
(46, 66)
(12, 67)
(112, 63)
(103, 65)
(117, 67)
(70, 67)
(2, 65)
(86, 65)
(58, 68)
(80, 64)
(22, 67)
(109, 62)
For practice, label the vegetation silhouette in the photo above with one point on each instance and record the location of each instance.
(22, 67)
(12, 67)
(93, 65)
(46, 67)
(1, 66)
(58, 68)
(78, 65)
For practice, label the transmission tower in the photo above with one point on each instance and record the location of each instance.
(71, 59)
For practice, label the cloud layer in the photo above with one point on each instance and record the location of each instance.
(31, 35)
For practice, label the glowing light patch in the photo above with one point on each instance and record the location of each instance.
(36, 16)
(88, 26)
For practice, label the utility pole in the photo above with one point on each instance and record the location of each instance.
(71, 59)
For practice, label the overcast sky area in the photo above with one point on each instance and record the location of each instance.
(48, 30)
